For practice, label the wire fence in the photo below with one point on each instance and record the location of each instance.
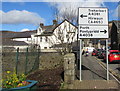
(20, 60)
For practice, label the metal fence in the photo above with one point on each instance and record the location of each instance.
(20, 60)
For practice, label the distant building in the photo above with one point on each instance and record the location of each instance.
(14, 44)
(9, 40)
(115, 35)
(23, 36)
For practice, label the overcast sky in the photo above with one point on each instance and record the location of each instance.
(17, 16)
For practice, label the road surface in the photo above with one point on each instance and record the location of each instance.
(92, 69)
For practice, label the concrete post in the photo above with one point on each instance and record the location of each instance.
(69, 68)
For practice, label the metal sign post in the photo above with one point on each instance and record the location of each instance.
(80, 59)
(107, 59)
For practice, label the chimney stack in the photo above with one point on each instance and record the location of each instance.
(54, 22)
(41, 25)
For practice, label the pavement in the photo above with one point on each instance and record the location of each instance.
(94, 84)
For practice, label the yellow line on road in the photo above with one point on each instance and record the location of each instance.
(111, 71)
(104, 66)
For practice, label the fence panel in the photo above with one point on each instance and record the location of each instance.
(21, 60)
(32, 62)
(8, 60)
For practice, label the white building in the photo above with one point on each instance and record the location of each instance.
(49, 36)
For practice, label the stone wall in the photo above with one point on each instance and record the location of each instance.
(69, 68)
(50, 60)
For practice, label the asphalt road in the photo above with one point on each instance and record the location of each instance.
(113, 67)
(93, 70)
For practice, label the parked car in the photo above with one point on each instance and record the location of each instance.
(98, 51)
(102, 54)
(113, 56)
(94, 52)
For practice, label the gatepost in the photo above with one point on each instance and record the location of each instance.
(69, 68)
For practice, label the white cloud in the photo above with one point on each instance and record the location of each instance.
(71, 8)
(20, 17)
(23, 30)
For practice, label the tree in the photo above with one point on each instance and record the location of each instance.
(69, 12)
(66, 35)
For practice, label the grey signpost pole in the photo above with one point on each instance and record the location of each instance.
(107, 59)
(80, 63)
(80, 59)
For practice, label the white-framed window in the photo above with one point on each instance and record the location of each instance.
(46, 39)
(40, 39)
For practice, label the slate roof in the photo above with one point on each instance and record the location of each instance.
(26, 34)
(7, 37)
(12, 34)
(8, 42)
(7, 34)
(62, 22)
(48, 30)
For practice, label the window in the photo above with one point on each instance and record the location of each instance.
(40, 39)
(46, 39)
(59, 37)
(45, 47)
(115, 52)
(59, 32)
(67, 36)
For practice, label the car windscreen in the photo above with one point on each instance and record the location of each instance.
(115, 52)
